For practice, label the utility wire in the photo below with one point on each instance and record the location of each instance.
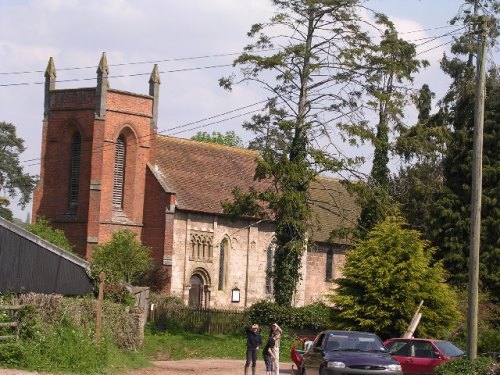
(191, 69)
(119, 75)
(185, 58)
(97, 148)
(140, 62)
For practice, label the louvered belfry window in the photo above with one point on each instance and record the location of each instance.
(119, 173)
(74, 184)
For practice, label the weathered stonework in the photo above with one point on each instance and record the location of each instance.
(171, 198)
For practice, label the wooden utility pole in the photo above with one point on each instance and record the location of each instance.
(477, 173)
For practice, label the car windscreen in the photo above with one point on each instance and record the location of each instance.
(449, 349)
(353, 341)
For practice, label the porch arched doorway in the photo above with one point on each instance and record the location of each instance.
(199, 291)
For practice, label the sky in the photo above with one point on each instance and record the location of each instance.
(193, 41)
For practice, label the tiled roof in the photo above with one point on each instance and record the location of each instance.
(202, 175)
(333, 207)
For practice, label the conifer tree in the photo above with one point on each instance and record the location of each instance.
(384, 279)
(308, 72)
(442, 207)
(390, 66)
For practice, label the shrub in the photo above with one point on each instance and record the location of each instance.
(123, 258)
(11, 354)
(43, 229)
(463, 366)
(66, 348)
(121, 325)
(314, 317)
(30, 322)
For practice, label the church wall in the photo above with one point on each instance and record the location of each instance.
(246, 258)
(316, 284)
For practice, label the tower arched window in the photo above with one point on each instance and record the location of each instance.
(119, 173)
(74, 183)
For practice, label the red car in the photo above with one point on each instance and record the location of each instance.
(299, 348)
(421, 356)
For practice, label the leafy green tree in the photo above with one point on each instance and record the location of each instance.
(435, 188)
(390, 66)
(43, 229)
(227, 139)
(450, 218)
(123, 258)
(13, 180)
(386, 276)
(444, 213)
(309, 78)
(422, 147)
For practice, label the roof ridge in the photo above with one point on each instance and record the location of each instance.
(211, 145)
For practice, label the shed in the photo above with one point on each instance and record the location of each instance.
(31, 264)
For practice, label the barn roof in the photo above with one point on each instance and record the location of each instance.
(31, 264)
(202, 175)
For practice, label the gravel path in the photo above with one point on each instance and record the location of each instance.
(186, 367)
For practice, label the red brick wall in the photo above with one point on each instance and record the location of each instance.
(153, 231)
(94, 220)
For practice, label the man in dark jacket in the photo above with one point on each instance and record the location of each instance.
(254, 341)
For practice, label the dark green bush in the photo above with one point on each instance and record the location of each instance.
(11, 354)
(314, 317)
(463, 366)
(30, 322)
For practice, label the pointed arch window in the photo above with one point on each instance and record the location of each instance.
(224, 248)
(269, 268)
(119, 173)
(329, 265)
(74, 184)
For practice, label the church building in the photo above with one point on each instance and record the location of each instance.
(105, 167)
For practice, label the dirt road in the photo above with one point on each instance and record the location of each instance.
(187, 367)
(205, 367)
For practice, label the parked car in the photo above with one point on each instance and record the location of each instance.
(422, 356)
(343, 353)
(299, 348)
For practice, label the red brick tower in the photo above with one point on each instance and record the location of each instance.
(96, 146)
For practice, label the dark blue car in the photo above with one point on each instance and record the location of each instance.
(348, 352)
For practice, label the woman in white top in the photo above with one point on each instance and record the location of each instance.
(276, 332)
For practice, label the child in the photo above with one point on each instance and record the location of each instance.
(269, 356)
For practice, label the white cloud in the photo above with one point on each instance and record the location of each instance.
(76, 32)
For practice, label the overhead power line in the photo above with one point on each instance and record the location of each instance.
(180, 128)
(187, 58)
(140, 62)
(119, 75)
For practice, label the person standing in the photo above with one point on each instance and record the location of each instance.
(269, 355)
(254, 341)
(275, 333)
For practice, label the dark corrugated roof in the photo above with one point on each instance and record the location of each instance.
(202, 175)
(31, 264)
